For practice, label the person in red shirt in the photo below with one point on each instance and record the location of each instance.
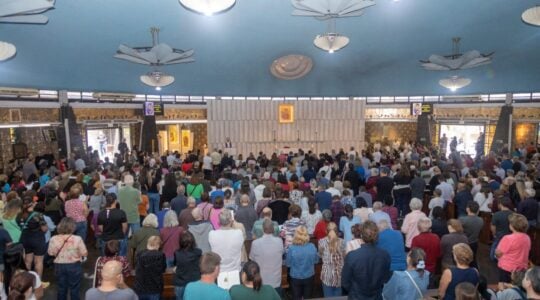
(320, 228)
(429, 242)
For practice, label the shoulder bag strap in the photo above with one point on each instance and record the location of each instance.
(520, 292)
(65, 241)
(415, 285)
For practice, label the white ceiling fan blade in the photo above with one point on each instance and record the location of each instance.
(161, 51)
(304, 13)
(149, 57)
(131, 59)
(434, 67)
(175, 56)
(30, 19)
(129, 51)
(356, 8)
(480, 61)
(182, 61)
(15, 7)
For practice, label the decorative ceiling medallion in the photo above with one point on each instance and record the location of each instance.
(24, 11)
(291, 67)
(7, 51)
(532, 16)
(208, 7)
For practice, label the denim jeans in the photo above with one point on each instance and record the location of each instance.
(81, 230)
(149, 296)
(331, 291)
(170, 262)
(121, 252)
(68, 277)
(154, 202)
(302, 288)
(179, 291)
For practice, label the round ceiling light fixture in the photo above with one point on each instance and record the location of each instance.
(208, 7)
(7, 51)
(291, 67)
(532, 16)
(455, 83)
(331, 42)
(157, 79)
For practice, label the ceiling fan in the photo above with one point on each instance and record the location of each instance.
(25, 11)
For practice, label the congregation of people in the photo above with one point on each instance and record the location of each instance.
(394, 221)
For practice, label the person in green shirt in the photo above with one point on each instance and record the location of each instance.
(129, 199)
(206, 288)
(252, 287)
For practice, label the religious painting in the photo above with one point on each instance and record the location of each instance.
(15, 115)
(286, 113)
(187, 140)
(173, 134)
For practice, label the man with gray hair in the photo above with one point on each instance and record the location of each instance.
(267, 251)
(179, 202)
(391, 241)
(378, 214)
(200, 230)
(129, 199)
(185, 217)
(228, 243)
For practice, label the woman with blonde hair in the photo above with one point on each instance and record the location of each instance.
(331, 253)
(301, 259)
(462, 272)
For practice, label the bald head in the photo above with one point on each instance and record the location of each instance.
(111, 270)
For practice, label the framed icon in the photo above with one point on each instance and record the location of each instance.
(286, 113)
(15, 115)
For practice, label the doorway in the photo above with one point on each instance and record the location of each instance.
(104, 140)
(466, 136)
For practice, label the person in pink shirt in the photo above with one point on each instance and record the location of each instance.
(410, 223)
(513, 249)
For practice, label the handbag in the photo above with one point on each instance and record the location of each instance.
(416, 286)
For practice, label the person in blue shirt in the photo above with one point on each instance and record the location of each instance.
(301, 259)
(346, 223)
(411, 283)
(206, 288)
(323, 198)
(367, 268)
(391, 241)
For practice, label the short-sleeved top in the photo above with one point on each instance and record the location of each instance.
(447, 243)
(472, 225)
(345, 226)
(515, 249)
(102, 260)
(241, 292)
(500, 221)
(31, 224)
(13, 229)
(74, 209)
(129, 199)
(301, 260)
(199, 290)
(111, 220)
(118, 294)
(401, 286)
(195, 191)
(71, 252)
(311, 220)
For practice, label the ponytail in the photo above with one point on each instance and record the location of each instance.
(418, 256)
(333, 239)
(253, 274)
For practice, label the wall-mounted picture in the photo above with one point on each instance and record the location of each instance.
(15, 115)
(49, 135)
(286, 113)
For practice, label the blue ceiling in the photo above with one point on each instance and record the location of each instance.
(234, 50)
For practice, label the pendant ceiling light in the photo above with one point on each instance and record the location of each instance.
(208, 7)
(7, 51)
(532, 16)
(157, 79)
(291, 67)
(454, 83)
(331, 41)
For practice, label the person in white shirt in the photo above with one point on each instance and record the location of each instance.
(447, 191)
(332, 190)
(437, 200)
(377, 156)
(228, 243)
(484, 198)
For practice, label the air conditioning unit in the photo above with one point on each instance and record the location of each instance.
(18, 92)
(113, 96)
